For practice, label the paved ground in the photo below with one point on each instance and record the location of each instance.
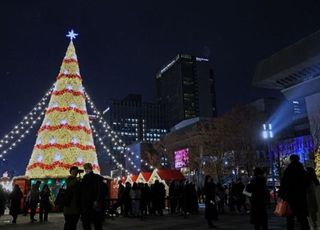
(195, 222)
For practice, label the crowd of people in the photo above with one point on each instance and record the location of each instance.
(142, 199)
(87, 198)
(80, 197)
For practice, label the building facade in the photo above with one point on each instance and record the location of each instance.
(186, 89)
(295, 71)
(134, 120)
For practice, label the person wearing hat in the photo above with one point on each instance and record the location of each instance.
(71, 210)
(93, 193)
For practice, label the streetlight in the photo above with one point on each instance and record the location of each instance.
(267, 134)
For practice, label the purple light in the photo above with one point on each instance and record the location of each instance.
(181, 158)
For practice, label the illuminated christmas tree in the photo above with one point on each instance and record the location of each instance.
(65, 137)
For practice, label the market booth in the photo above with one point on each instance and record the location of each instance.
(131, 178)
(143, 177)
(166, 176)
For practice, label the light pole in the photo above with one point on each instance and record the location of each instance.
(267, 134)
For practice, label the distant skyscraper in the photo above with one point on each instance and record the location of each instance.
(134, 120)
(186, 88)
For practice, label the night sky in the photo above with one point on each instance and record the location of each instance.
(123, 44)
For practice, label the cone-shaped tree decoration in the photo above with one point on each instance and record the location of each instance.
(65, 137)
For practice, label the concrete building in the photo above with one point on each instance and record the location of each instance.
(295, 71)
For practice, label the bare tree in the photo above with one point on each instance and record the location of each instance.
(243, 126)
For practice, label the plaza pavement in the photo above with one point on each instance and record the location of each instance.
(166, 222)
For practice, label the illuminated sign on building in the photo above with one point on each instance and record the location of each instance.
(181, 158)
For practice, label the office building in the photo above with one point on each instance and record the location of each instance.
(134, 120)
(186, 89)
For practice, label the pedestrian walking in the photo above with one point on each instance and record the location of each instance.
(45, 203)
(33, 199)
(210, 203)
(92, 198)
(240, 199)
(15, 203)
(259, 198)
(313, 199)
(71, 210)
(293, 189)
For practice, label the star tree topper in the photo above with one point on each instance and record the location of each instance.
(72, 35)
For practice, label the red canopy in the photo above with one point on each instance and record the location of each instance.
(170, 174)
(146, 175)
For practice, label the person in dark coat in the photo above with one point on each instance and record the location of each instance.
(210, 203)
(33, 199)
(158, 195)
(180, 188)
(92, 198)
(15, 202)
(2, 201)
(127, 199)
(190, 202)
(221, 193)
(240, 198)
(173, 197)
(145, 196)
(232, 197)
(120, 195)
(45, 204)
(194, 199)
(71, 210)
(259, 199)
(293, 189)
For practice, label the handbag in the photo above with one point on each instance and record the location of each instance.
(283, 209)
